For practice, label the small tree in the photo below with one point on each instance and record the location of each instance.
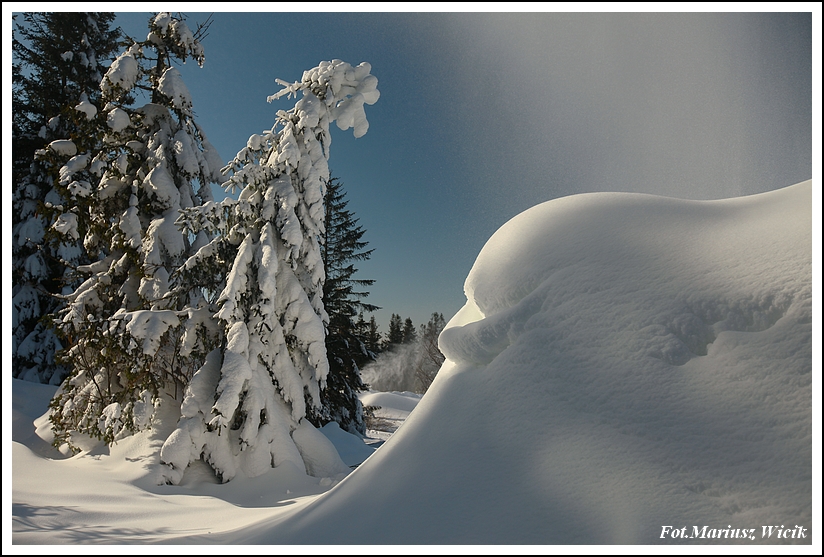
(373, 337)
(410, 336)
(361, 327)
(245, 407)
(395, 334)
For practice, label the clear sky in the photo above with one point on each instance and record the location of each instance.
(483, 115)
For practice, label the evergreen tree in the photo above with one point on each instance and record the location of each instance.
(245, 408)
(373, 337)
(125, 195)
(57, 67)
(361, 327)
(395, 334)
(345, 341)
(409, 366)
(410, 336)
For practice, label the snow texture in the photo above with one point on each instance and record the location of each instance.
(30, 230)
(74, 165)
(66, 224)
(623, 362)
(122, 74)
(319, 454)
(350, 448)
(118, 120)
(149, 327)
(171, 84)
(63, 147)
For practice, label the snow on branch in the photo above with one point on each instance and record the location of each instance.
(344, 89)
(273, 363)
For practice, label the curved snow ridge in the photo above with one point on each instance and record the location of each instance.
(706, 267)
(586, 426)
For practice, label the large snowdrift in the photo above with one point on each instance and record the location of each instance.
(623, 363)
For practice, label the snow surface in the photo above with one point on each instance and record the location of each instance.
(111, 495)
(389, 410)
(623, 362)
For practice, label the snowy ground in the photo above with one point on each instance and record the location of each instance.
(624, 363)
(391, 410)
(112, 496)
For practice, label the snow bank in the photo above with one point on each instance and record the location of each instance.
(110, 494)
(350, 448)
(319, 454)
(624, 362)
(396, 401)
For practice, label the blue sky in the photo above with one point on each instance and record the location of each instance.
(483, 115)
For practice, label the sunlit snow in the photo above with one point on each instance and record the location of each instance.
(623, 362)
(118, 119)
(86, 107)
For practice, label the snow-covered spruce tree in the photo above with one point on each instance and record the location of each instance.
(122, 322)
(345, 344)
(245, 408)
(57, 67)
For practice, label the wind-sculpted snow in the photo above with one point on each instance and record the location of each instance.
(624, 362)
(618, 255)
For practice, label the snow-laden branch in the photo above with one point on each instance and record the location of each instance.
(270, 306)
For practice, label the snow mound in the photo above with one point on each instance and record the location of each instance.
(623, 362)
(319, 454)
(397, 401)
(86, 107)
(351, 448)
